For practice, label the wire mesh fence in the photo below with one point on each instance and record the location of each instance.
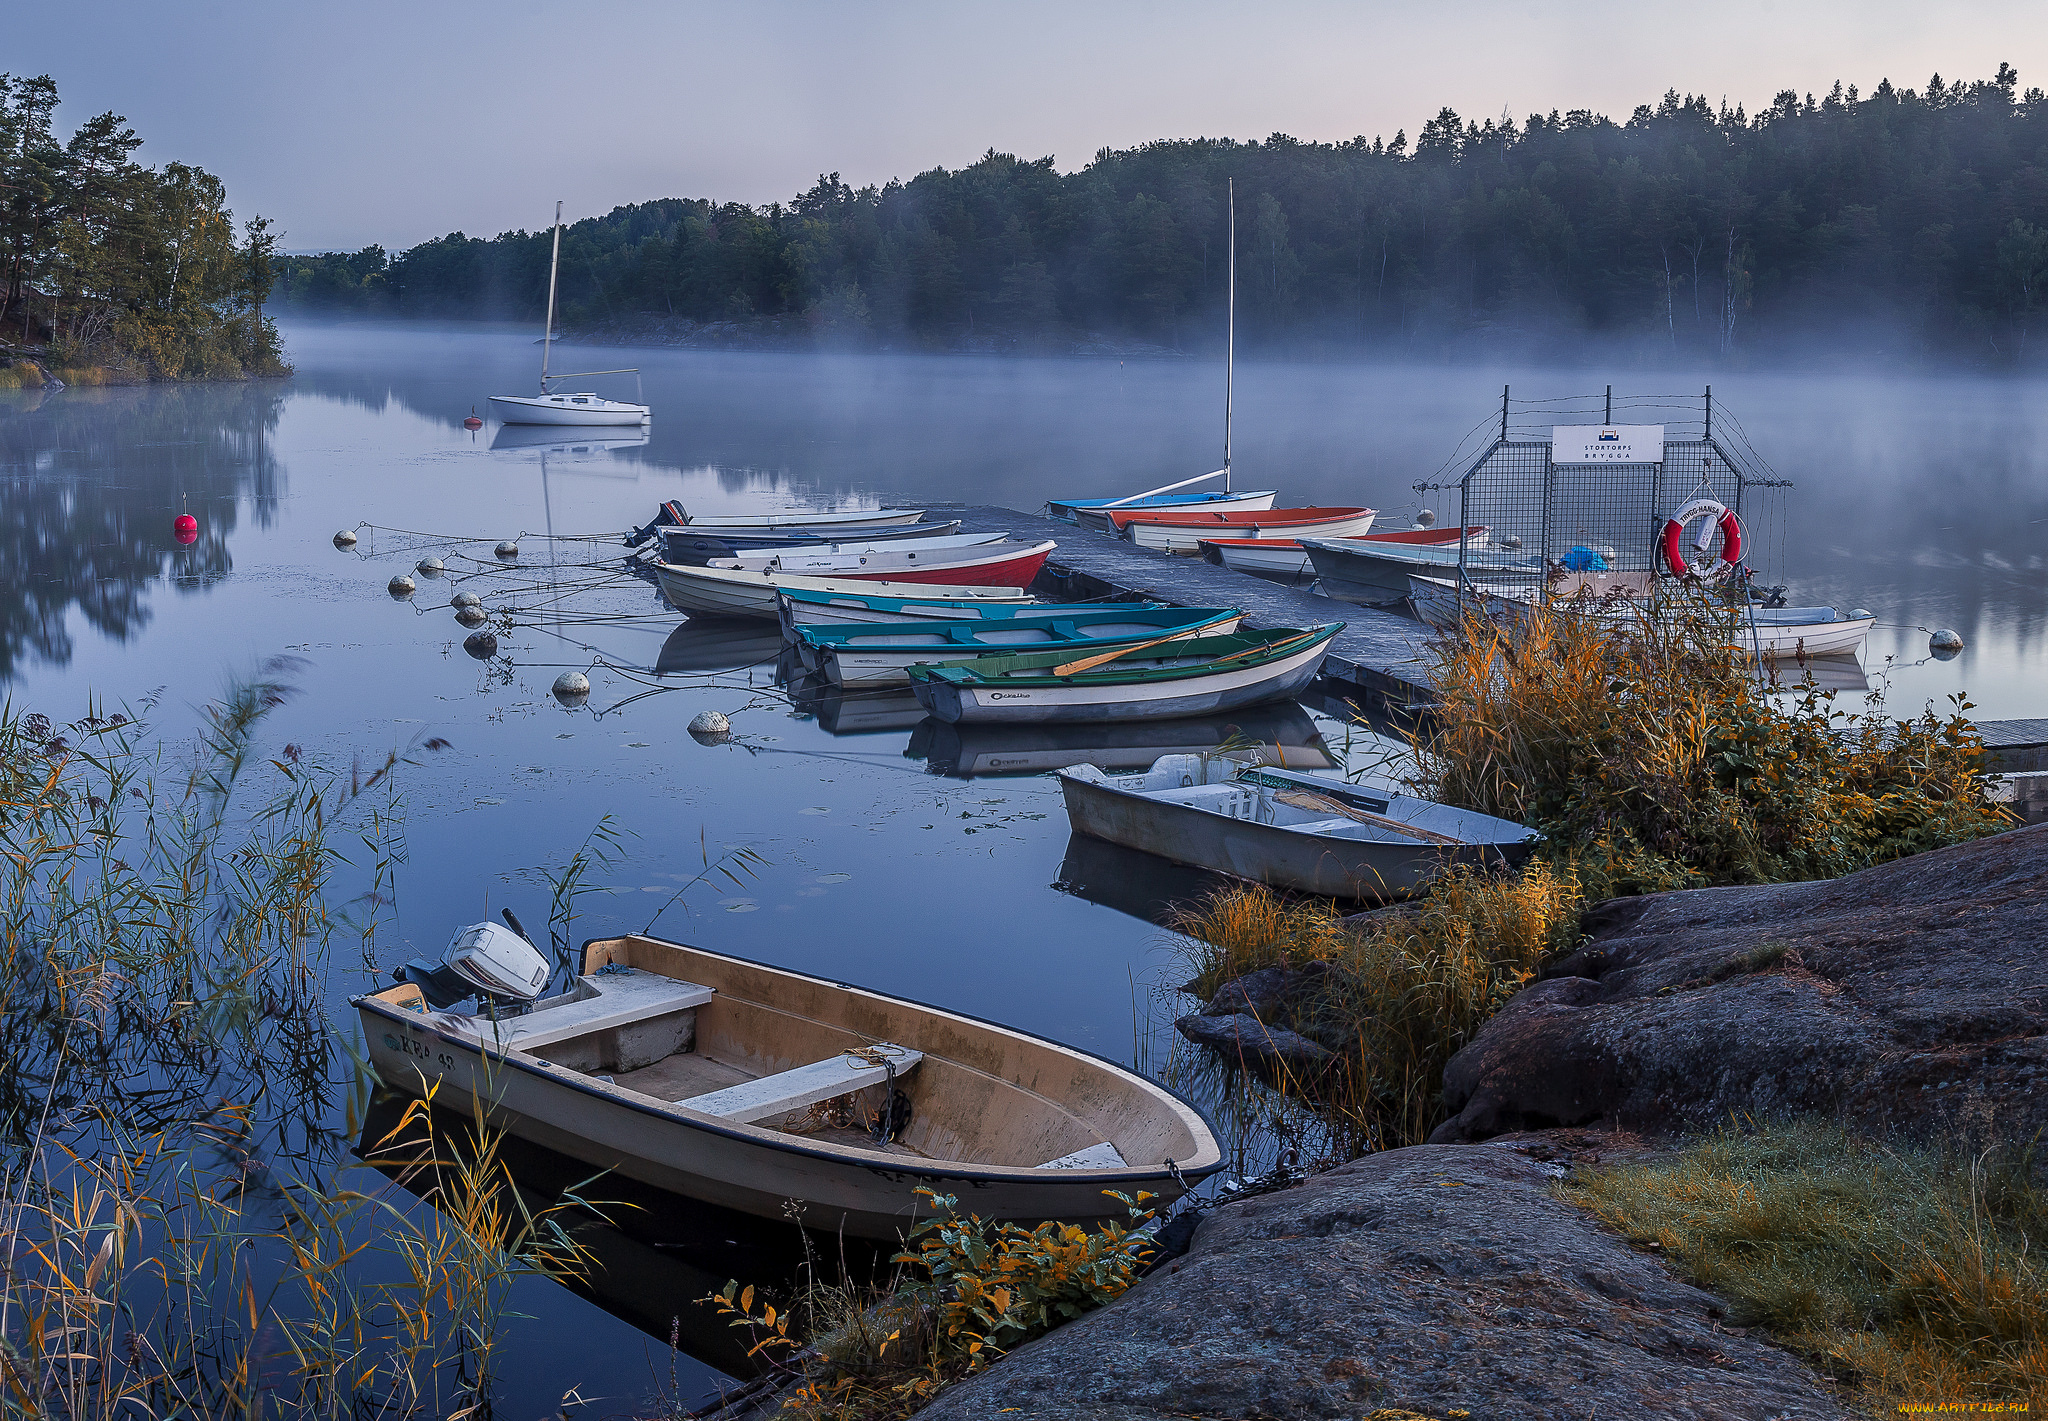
(1536, 520)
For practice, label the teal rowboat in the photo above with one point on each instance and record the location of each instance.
(847, 607)
(883, 655)
(1200, 676)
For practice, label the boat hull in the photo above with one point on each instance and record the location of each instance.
(1436, 602)
(1186, 537)
(1022, 702)
(1014, 565)
(850, 608)
(865, 1192)
(793, 520)
(697, 546)
(892, 668)
(1265, 853)
(521, 409)
(1260, 557)
(722, 593)
(1094, 512)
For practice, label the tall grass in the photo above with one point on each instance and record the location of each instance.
(1651, 755)
(1394, 996)
(165, 919)
(1908, 1272)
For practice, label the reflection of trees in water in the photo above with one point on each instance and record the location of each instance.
(90, 481)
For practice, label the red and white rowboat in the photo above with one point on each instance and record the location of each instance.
(1284, 557)
(1183, 532)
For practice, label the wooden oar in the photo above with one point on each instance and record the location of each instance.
(1309, 799)
(1074, 668)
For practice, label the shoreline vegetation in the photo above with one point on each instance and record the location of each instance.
(1685, 233)
(119, 274)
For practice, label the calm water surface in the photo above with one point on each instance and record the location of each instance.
(1924, 499)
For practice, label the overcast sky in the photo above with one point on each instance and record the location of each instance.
(387, 122)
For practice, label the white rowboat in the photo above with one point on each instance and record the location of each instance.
(729, 592)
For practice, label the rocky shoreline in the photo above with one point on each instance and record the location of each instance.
(1448, 1280)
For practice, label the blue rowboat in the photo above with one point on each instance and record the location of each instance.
(844, 607)
(883, 655)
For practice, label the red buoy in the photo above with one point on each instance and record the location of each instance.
(472, 422)
(186, 528)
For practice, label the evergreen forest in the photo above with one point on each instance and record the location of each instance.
(114, 271)
(1897, 221)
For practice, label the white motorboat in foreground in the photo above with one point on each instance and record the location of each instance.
(747, 1086)
(552, 407)
(1285, 829)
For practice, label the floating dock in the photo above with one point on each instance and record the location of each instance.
(1377, 659)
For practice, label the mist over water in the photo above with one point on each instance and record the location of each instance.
(1924, 499)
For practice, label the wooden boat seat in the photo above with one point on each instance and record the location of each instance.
(618, 999)
(800, 1089)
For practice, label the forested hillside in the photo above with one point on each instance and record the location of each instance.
(118, 271)
(1900, 220)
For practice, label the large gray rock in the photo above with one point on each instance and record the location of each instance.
(1434, 1279)
(1910, 997)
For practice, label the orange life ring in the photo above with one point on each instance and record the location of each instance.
(1723, 518)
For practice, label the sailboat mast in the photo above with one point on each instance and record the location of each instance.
(548, 336)
(1230, 340)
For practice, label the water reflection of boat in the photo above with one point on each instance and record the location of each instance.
(558, 441)
(856, 712)
(1145, 886)
(1829, 673)
(704, 644)
(649, 1254)
(1287, 735)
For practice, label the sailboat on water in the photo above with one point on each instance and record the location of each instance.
(563, 407)
(1095, 512)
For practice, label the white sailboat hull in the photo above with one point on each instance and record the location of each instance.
(722, 592)
(567, 409)
(1098, 518)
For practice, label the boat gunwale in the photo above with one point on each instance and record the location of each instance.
(1277, 648)
(641, 1102)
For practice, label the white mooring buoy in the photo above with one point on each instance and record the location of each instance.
(465, 599)
(482, 645)
(507, 549)
(710, 727)
(1424, 518)
(429, 567)
(470, 616)
(1945, 643)
(400, 587)
(346, 538)
(572, 688)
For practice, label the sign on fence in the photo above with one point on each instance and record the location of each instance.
(1607, 444)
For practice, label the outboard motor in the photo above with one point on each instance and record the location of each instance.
(502, 969)
(671, 514)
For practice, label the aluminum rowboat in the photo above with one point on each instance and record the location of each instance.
(696, 546)
(798, 557)
(1284, 829)
(1287, 558)
(712, 1077)
(1199, 677)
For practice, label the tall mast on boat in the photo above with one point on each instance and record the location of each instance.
(1230, 340)
(548, 335)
